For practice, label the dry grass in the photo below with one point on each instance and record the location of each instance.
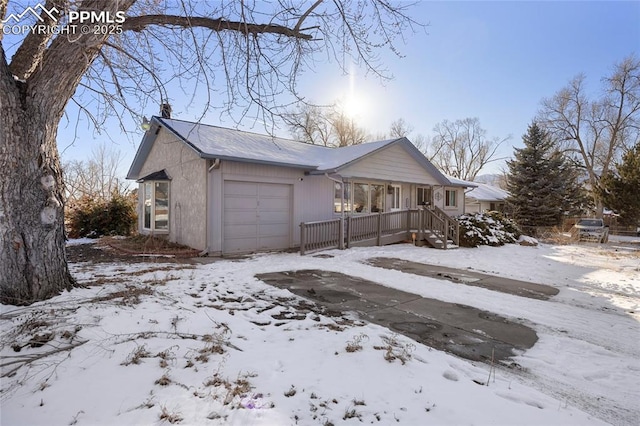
(170, 417)
(355, 344)
(145, 244)
(127, 297)
(137, 355)
(395, 350)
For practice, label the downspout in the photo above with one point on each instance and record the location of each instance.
(341, 192)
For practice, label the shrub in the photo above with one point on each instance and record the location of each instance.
(95, 218)
(490, 228)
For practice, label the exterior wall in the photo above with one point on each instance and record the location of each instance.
(474, 206)
(187, 190)
(439, 198)
(317, 199)
(312, 196)
(391, 165)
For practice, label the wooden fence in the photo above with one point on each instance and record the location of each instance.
(431, 224)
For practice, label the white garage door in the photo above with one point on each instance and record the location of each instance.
(257, 216)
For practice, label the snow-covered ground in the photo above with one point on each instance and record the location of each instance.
(154, 343)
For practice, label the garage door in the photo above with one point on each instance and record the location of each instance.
(257, 216)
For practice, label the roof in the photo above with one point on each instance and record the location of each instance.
(485, 192)
(460, 182)
(213, 142)
(159, 175)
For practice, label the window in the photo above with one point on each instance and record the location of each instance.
(369, 197)
(156, 206)
(396, 199)
(423, 196)
(377, 198)
(450, 198)
(361, 197)
(338, 194)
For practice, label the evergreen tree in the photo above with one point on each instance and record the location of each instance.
(543, 185)
(621, 191)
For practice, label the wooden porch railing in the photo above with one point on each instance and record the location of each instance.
(378, 229)
(321, 235)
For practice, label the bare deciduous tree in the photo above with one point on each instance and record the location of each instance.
(461, 148)
(346, 130)
(310, 125)
(400, 129)
(96, 178)
(236, 54)
(596, 130)
(328, 126)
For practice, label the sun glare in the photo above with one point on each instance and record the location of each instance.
(353, 107)
(353, 104)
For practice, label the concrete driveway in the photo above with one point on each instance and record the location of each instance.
(462, 330)
(467, 277)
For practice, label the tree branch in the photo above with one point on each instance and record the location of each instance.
(139, 23)
(305, 15)
(30, 52)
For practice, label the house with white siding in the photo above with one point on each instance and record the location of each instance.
(225, 191)
(484, 198)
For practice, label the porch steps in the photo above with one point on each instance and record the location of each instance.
(435, 240)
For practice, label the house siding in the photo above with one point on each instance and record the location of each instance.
(459, 207)
(317, 199)
(188, 206)
(392, 164)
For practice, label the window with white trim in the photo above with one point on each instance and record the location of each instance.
(342, 194)
(450, 199)
(423, 196)
(156, 206)
(363, 197)
(377, 198)
(360, 197)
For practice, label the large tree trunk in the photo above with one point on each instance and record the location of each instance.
(32, 250)
(34, 91)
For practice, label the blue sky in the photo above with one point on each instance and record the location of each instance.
(491, 60)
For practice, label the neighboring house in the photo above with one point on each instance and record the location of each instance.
(225, 191)
(484, 198)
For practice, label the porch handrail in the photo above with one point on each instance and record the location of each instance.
(435, 224)
(452, 225)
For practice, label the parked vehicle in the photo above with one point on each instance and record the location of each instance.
(592, 230)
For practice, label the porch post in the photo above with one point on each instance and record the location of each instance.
(303, 232)
(341, 233)
(379, 228)
(446, 231)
